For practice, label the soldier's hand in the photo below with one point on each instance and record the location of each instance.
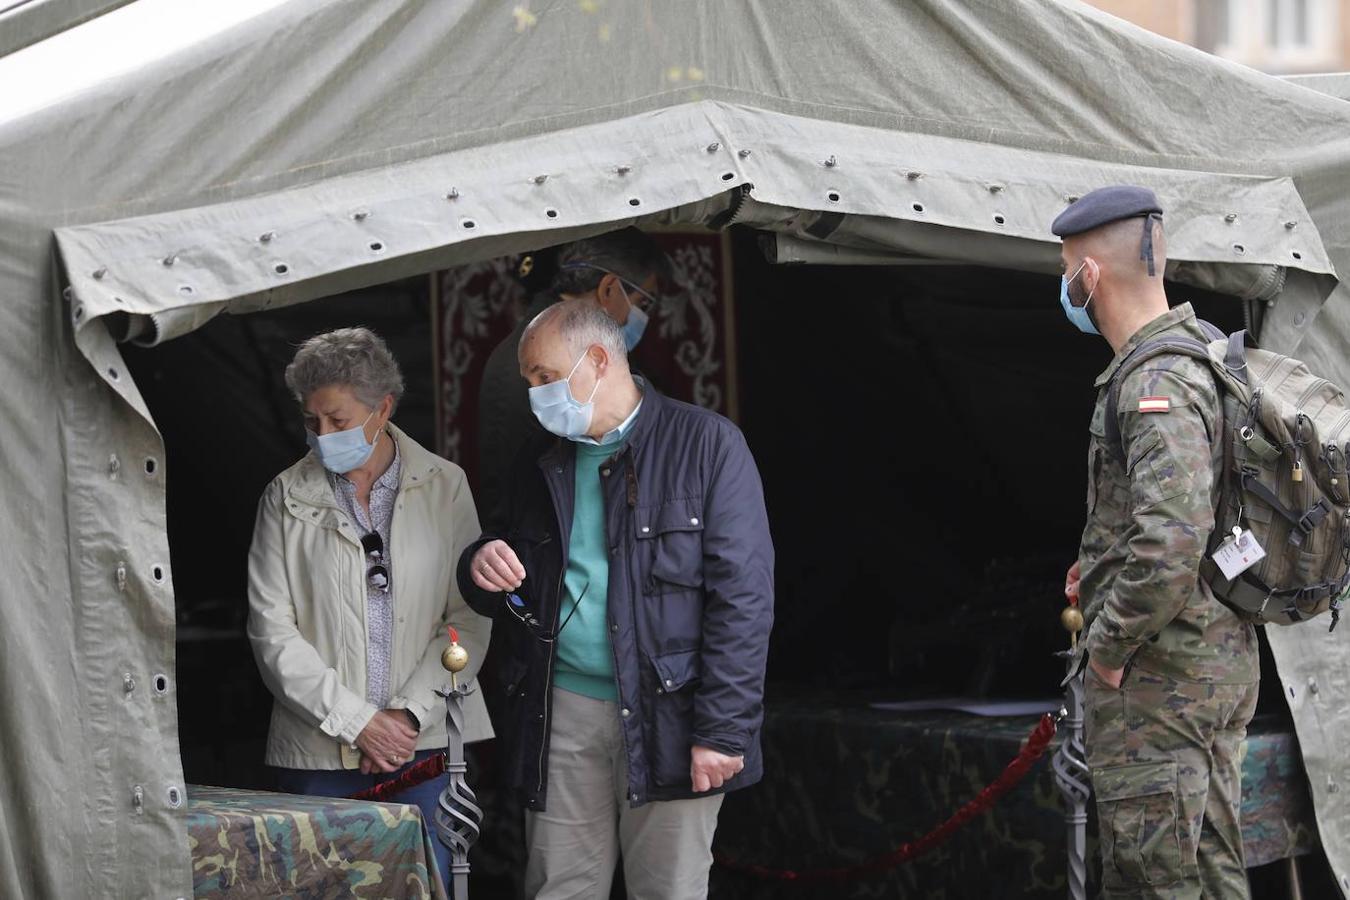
(1071, 581)
(497, 568)
(1113, 677)
(709, 769)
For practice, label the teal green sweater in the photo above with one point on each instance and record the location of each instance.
(585, 661)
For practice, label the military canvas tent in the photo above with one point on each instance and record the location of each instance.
(301, 148)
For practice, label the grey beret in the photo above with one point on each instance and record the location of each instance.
(1111, 204)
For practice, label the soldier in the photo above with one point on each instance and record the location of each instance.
(1172, 673)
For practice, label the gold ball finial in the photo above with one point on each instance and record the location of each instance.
(1071, 619)
(454, 657)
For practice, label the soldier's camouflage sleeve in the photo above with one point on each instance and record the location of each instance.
(1169, 466)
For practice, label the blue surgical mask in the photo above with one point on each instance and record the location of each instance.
(633, 328)
(342, 451)
(1078, 315)
(558, 411)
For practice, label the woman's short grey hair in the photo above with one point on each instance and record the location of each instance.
(582, 323)
(356, 358)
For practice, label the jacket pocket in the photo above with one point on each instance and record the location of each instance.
(1137, 811)
(672, 721)
(673, 535)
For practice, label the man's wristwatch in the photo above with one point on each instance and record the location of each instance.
(417, 726)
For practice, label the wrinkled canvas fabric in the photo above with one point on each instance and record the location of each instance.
(326, 145)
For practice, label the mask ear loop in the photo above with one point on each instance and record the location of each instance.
(580, 360)
(1090, 293)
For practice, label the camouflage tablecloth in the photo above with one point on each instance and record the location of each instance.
(249, 844)
(845, 782)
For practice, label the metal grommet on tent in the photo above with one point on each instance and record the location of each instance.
(1238, 248)
(469, 223)
(998, 219)
(161, 683)
(918, 207)
(634, 201)
(1291, 225)
(157, 574)
(114, 374)
(151, 464)
(281, 268)
(833, 196)
(551, 213)
(727, 176)
(184, 289)
(713, 147)
(1230, 218)
(376, 247)
(743, 153)
(175, 796)
(1296, 254)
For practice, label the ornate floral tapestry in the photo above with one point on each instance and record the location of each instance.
(688, 351)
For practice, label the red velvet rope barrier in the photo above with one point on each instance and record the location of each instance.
(1015, 772)
(410, 777)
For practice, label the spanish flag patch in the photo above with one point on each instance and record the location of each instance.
(1155, 404)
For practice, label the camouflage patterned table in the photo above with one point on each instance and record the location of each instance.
(844, 782)
(259, 844)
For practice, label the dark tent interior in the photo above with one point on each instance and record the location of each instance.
(921, 433)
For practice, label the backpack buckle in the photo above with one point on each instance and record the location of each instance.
(1313, 517)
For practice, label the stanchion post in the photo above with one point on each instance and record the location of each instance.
(458, 818)
(1072, 776)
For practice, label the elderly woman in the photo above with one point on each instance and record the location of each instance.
(352, 584)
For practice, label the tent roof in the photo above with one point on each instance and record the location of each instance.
(268, 154)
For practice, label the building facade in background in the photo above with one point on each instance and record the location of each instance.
(1283, 37)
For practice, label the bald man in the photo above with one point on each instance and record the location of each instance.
(1171, 675)
(631, 572)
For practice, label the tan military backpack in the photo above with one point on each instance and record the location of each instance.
(1285, 490)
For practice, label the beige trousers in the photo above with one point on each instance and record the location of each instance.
(575, 844)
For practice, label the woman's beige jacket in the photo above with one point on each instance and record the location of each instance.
(307, 608)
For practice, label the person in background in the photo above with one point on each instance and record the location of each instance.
(624, 272)
(631, 573)
(351, 585)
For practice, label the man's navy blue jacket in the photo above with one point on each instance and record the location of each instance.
(690, 598)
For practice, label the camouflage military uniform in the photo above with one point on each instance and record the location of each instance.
(1165, 749)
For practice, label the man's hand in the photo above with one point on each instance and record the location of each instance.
(1071, 582)
(709, 769)
(387, 742)
(1112, 677)
(496, 567)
